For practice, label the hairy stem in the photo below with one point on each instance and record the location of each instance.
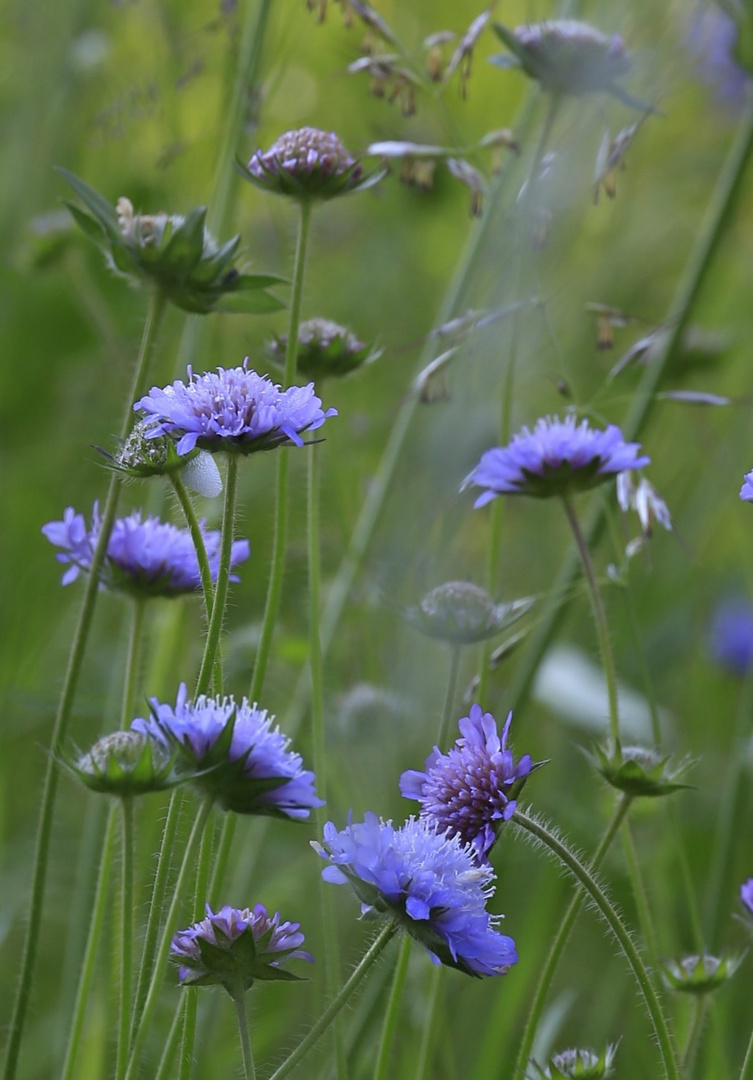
(381, 1068)
(199, 901)
(133, 664)
(239, 997)
(126, 950)
(212, 644)
(443, 735)
(427, 1050)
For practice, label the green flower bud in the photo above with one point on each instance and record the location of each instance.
(462, 613)
(125, 763)
(699, 974)
(639, 771)
(324, 349)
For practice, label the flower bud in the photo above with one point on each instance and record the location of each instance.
(462, 613)
(639, 771)
(126, 763)
(578, 1064)
(699, 974)
(324, 348)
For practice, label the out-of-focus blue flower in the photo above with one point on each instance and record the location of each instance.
(470, 790)
(145, 556)
(232, 409)
(746, 491)
(712, 39)
(428, 881)
(234, 944)
(244, 762)
(731, 635)
(746, 894)
(557, 457)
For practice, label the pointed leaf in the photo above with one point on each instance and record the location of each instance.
(210, 268)
(183, 252)
(99, 206)
(89, 225)
(256, 302)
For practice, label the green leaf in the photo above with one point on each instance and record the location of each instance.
(508, 38)
(210, 268)
(256, 302)
(183, 253)
(103, 211)
(245, 282)
(89, 225)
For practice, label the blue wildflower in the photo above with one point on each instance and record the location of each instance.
(746, 491)
(232, 409)
(713, 39)
(746, 894)
(232, 943)
(145, 556)
(470, 791)
(557, 457)
(244, 762)
(429, 882)
(731, 636)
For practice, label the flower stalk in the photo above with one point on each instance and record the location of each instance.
(126, 935)
(212, 644)
(239, 997)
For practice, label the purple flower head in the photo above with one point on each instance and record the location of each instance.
(307, 164)
(244, 762)
(426, 879)
(746, 895)
(470, 791)
(731, 636)
(145, 556)
(746, 491)
(557, 457)
(712, 39)
(232, 409)
(234, 945)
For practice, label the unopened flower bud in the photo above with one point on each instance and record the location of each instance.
(640, 771)
(125, 763)
(462, 613)
(699, 974)
(308, 164)
(324, 349)
(578, 1064)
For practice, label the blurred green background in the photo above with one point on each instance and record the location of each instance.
(133, 96)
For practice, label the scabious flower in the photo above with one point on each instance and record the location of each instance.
(578, 1064)
(471, 790)
(461, 613)
(699, 974)
(746, 491)
(244, 763)
(731, 636)
(713, 38)
(429, 882)
(145, 556)
(234, 946)
(175, 253)
(233, 409)
(308, 164)
(140, 458)
(324, 349)
(556, 458)
(125, 763)
(566, 56)
(746, 895)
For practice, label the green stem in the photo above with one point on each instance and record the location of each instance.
(171, 1043)
(279, 543)
(691, 1046)
(560, 941)
(746, 1073)
(335, 1006)
(212, 644)
(187, 1007)
(239, 997)
(713, 228)
(65, 708)
(133, 664)
(381, 1068)
(126, 952)
(161, 956)
(639, 895)
(443, 736)
(227, 833)
(200, 896)
(603, 904)
(602, 629)
(96, 923)
(428, 1041)
(155, 908)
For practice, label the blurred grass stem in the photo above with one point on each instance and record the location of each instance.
(155, 312)
(212, 643)
(239, 997)
(191, 992)
(126, 934)
(381, 1068)
(443, 735)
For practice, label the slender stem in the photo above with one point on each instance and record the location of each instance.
(279, 544)
(133, 664)
(560, 941)
(160, 960)
(746, 1073)
(718, 216)
(224, 847)
(187, 1008)
(645, 921)
(239, 997)
(171, 1043)
(602, 629)
(332, 1010)
(155, 908)
(65, 708)
(199, 900)
(443, 736)
(126, 952)
(603, 904)
(381, 1068)
(212, 644)
(96, 923)
(696, 1027)
(428, 1046)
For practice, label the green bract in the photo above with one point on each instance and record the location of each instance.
(639, 771)
(578, 1065)
(324, 349)
(699, 974)
(125, 763)
(175, 253)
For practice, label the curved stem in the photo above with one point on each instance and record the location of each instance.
(199, 911)
(279, 543)
(560, 941)
(332, 1010)
(133, 664)
(239, 997)
(212, 644)
(381, 1068)
(65, 708)
(428, 1048)
(696, 1027)
(160, 960)
(171, 1042)
(96, 923)
(746, 1073)
(126, 952)
(600, 617)
(603, 904)
(443, 736)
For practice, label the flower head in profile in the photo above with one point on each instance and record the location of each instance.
(145, 557)
(746, 491)
(233, 409)
(557, 458)
(640, 771)
(578, 1064)
(462, 613)
(325, 349)
(175, 253)
(699, 974)
(244, 762)
(731, 635)
(125, 763)
(429, 882)
(307, 164)
(140, 457)
(233, 946)
(566, 56)
(746, 895)
(471, 790)
(713, 39)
